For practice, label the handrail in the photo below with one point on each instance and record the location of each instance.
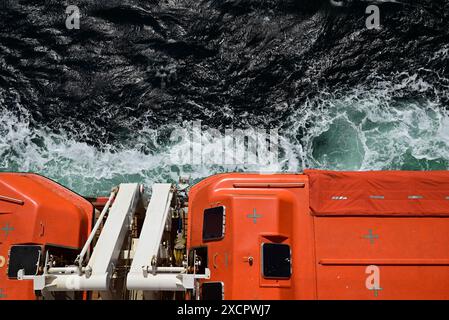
(80, 257)
(12, 200)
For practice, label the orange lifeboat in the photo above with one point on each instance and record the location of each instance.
(322, 235)
(37, 216)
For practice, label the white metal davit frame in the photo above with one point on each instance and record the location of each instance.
(144, 273)
(99, 270)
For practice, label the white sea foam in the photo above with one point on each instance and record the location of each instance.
(359, 130)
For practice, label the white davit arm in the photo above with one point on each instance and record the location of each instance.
(100, 268)
(144, 273)
(149, 242)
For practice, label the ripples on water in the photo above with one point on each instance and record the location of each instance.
(94, 107)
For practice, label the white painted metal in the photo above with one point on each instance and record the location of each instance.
(97, 275)
(164, 281)
(151, 235)
(80, 258)
(157, 282)
(109, 244)
(65, 270)
(170, 269)
(64, 282)
(143, 275)
(67, 282)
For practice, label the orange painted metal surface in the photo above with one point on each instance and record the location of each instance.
(36, 210)
(359, 235)
(267, 212)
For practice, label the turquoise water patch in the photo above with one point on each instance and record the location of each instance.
(365, 130)
(339, 147)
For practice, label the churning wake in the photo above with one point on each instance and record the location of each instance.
(363, 130)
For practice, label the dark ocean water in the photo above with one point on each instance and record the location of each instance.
(94, 107)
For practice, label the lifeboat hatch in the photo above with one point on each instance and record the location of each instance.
(212, 291)
(276, 260)
(214, 220)
(26, 258)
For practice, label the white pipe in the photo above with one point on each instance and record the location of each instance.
(64, 270)
(80, 257)
(169, 269)
(77, 283)
(159, 282)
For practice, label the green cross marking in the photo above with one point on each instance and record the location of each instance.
(7, 228)
(254, 216)
(2, 295)
(376, 290)
(371, 236)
